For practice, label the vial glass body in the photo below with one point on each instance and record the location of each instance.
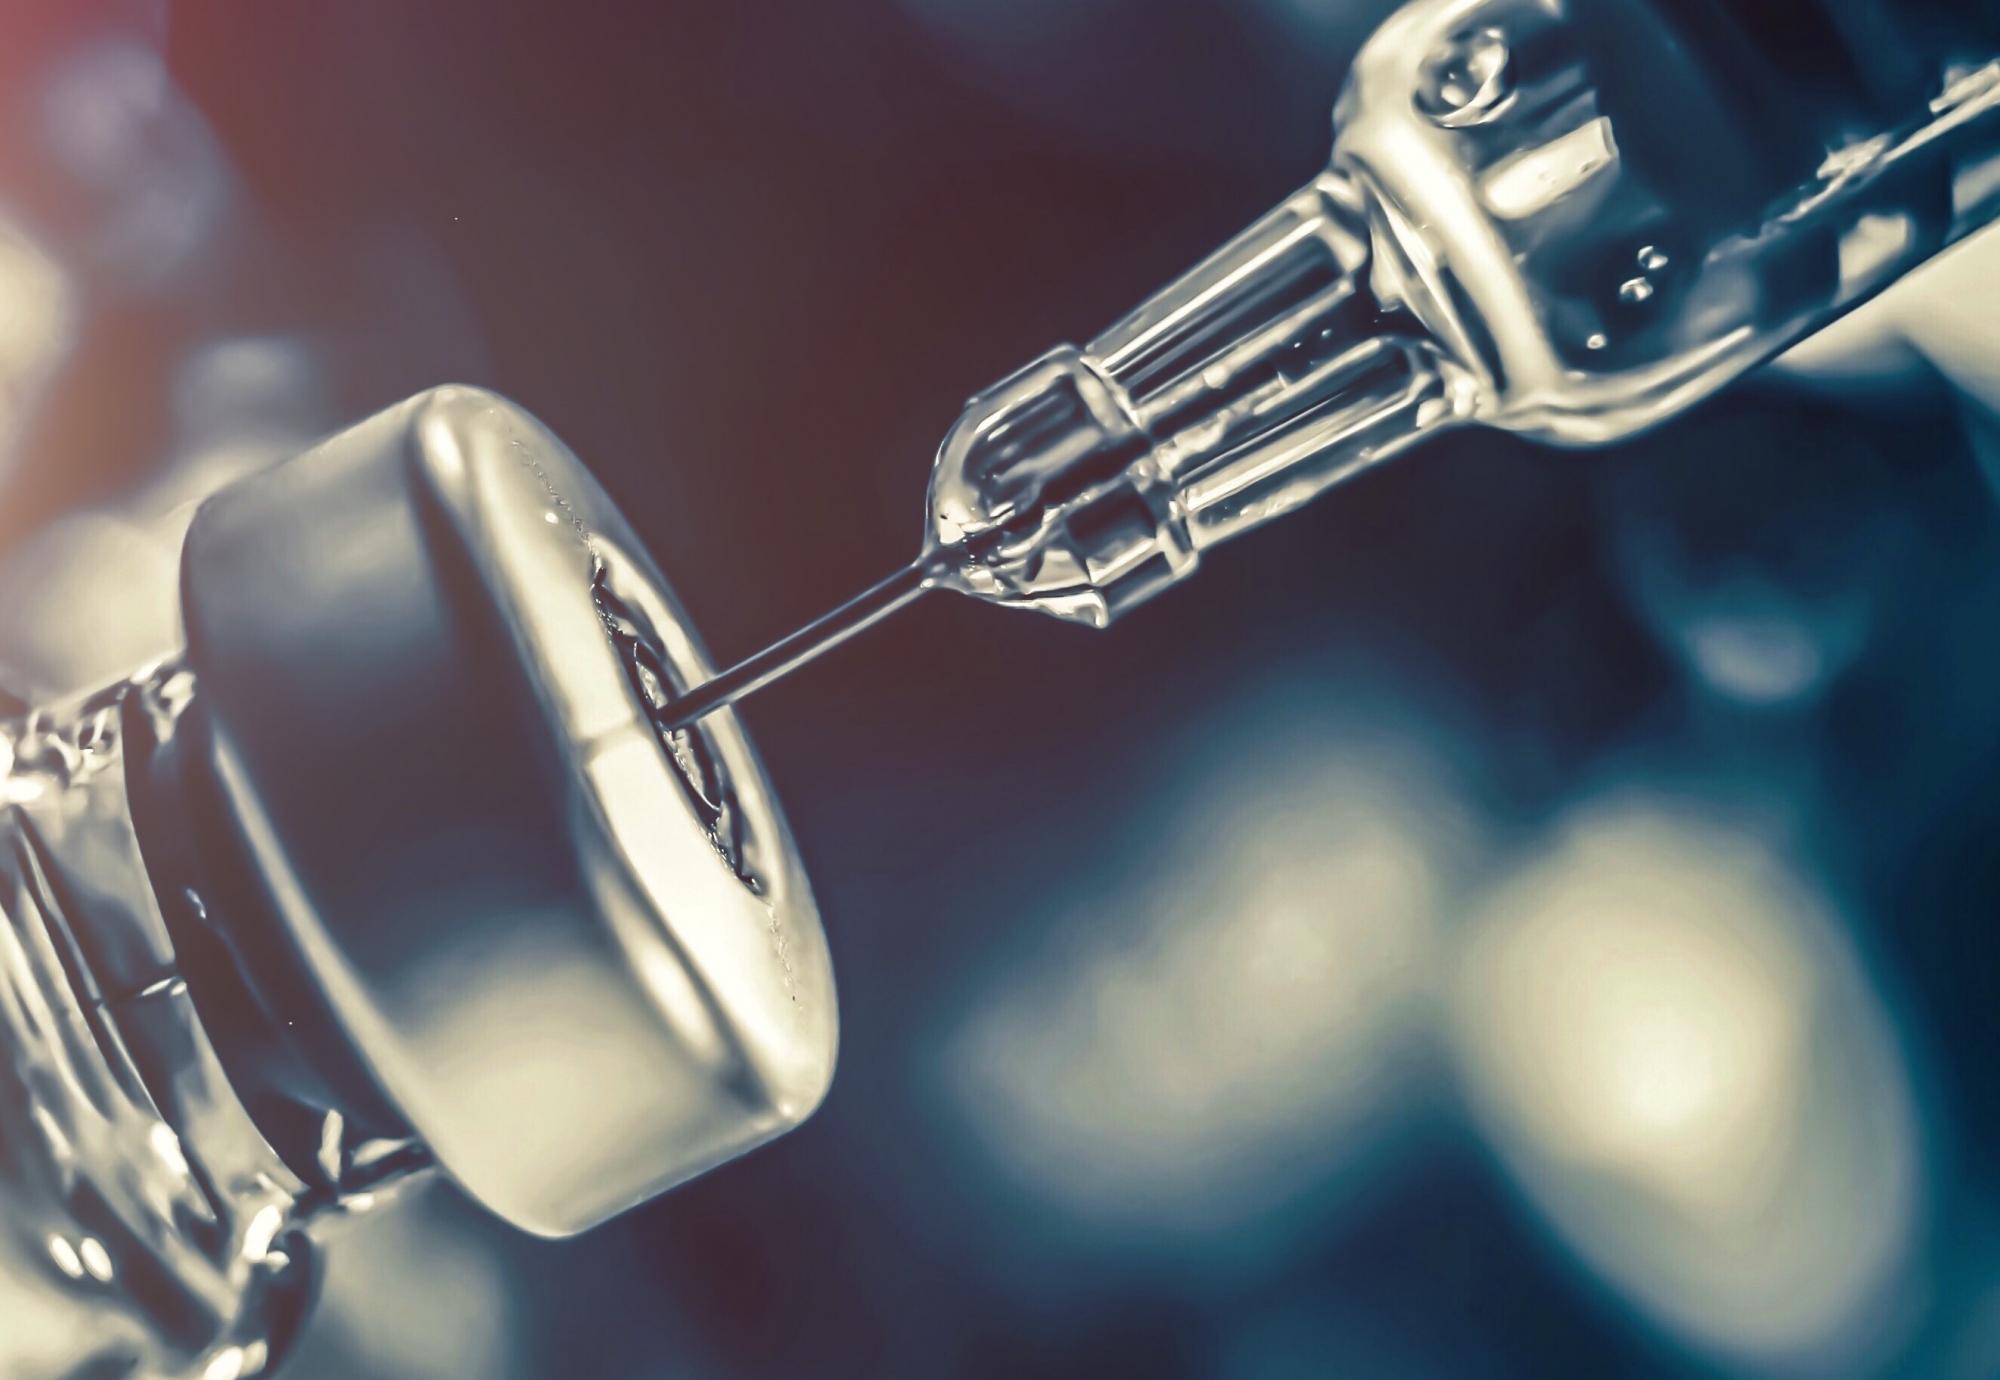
(147, 1228)
(393, 866)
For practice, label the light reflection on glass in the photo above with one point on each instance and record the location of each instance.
(227, 1364)
(65, 1256)
(96, 1260)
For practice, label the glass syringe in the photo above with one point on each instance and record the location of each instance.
(1570, 219)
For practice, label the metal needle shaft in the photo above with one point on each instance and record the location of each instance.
(823, 634)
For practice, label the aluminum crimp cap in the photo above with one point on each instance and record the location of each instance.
(577, 954)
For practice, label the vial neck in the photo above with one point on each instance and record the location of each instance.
(309, 1093)
(158, 1180)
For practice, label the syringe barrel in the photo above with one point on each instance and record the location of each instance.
(1633, 202)
(1571, 220)
(1723, 105)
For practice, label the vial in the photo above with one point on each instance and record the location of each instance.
(392, 870)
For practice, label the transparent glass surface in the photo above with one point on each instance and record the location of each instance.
(147, 1226)
(1607, 210)
(1568, 220)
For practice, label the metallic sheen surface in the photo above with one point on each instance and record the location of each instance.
(431, 749)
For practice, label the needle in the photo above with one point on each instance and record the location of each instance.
(823, 634)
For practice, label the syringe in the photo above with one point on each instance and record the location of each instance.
(1570, 219)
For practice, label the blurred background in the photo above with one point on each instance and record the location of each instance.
(1528, 914)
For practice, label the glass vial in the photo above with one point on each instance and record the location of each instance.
(392, 868)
